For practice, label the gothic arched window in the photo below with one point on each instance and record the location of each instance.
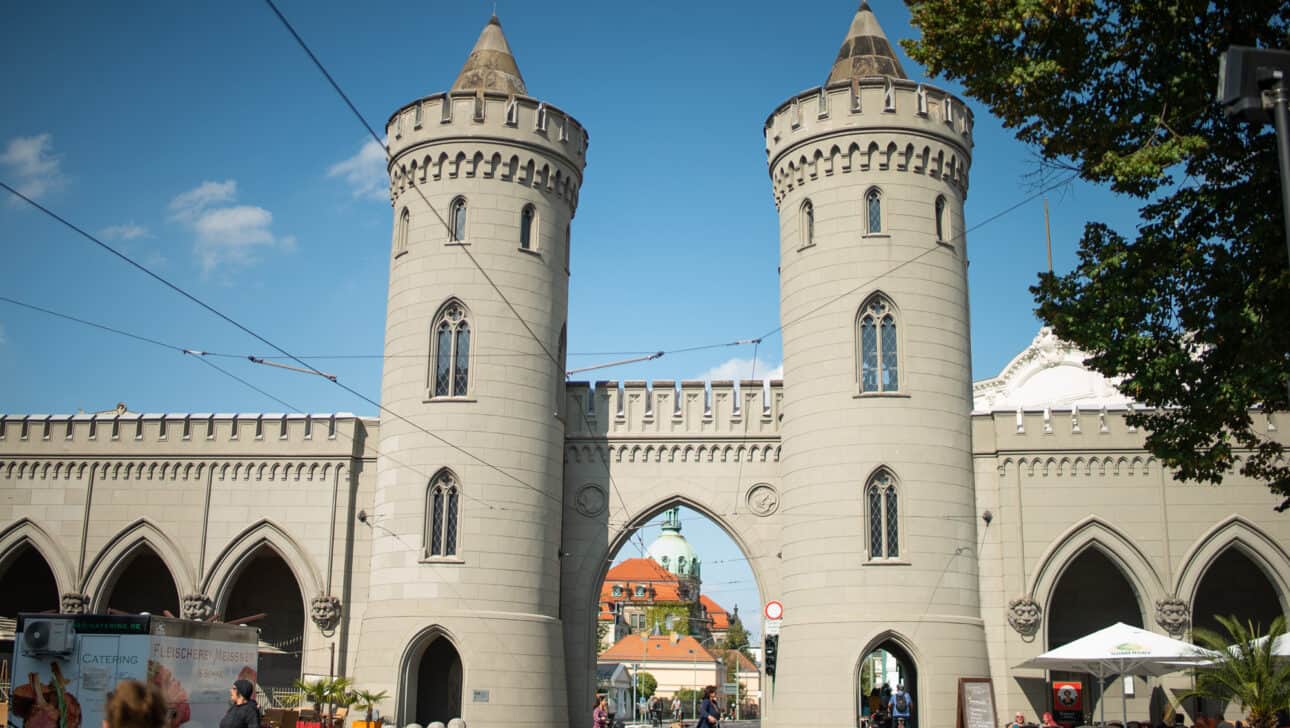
(457, 220)
(940, 219)
(884, 518)
(808, 224)
(450, 358)
(873, 211)
(528, 232)
(879, 344)
(401, 231)
(442, 502)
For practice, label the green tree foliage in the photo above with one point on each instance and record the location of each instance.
(737, 636)
(646, 684)
(1191, 310)
(366, 700)
(1246, 671)
(602, 631)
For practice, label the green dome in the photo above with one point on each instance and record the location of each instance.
(672, 551)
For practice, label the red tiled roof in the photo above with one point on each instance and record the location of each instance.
(660, 584)
(660, 648)
(639, 570)
(745, 664)
(720, 619)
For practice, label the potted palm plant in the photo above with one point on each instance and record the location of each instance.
(366, 701)
(339, 697)
(314, 691)
(1247, 670)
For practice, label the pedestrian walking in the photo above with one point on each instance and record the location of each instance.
(901, 706)
(709, 712)
(600, 714)
(243, 713)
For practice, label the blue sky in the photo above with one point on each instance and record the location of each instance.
(198, 138)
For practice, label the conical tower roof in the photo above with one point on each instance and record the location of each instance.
(866, 51)
(491, 66)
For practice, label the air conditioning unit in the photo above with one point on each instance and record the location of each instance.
(48, 637)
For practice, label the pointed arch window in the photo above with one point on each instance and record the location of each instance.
(568, 245)
(940, 218)
(442, 502)
(808, 224)
(879, 347)
(873, 211)
(401, 232)
(457, 220)
(528, 225)
(450, 373)
(883, 515)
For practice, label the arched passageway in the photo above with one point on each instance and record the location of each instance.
(27, 584)
(437, 682)
(1234, 585)
(143, 584)
(884, 670)
(1093, 593)
(266, 585)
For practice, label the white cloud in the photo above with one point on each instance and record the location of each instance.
(365, 172)
(743, 369)
(36, 171)
(225, 233)
(128, 231)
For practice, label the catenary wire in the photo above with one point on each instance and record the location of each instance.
(286, 354)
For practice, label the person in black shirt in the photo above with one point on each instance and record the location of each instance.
(243, 713)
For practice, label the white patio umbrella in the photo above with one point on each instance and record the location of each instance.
(1121, 650)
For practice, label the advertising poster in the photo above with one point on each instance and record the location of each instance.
(1068, 703)
(64, 667)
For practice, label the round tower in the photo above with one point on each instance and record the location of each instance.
(463, 614)
(869, 173)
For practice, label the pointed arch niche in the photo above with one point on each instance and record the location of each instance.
(140, 581)
(432, 676)
(1235, 585)
(27, 583)
(264, 583)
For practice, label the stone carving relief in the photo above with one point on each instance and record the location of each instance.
(1025, 616)
(1173, 616)
(762, 499)
(325, 611)
(591, 500)
(74, 603)
(197, 607)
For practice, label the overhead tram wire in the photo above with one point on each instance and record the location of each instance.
(202, 356)
(310, 369)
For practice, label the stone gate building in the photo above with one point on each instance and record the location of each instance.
(453, 554)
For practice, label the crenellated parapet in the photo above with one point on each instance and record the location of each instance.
(663, 409)
(189, 435)
(877, 123)
(488, 136)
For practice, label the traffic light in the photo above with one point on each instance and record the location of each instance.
(771, 648)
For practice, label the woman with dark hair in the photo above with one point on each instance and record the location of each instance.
(600, 715)
(243, 713)
(135, 705)
(709, 711)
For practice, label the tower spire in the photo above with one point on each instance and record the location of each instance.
(865, 51)
(491, 66)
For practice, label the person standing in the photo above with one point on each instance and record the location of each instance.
(243, 713)
(600, 714)
(875, 700)
(131, 704)
(676, 708)
(709, 712)
(901, 706)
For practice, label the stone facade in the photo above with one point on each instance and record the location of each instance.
(453, 554)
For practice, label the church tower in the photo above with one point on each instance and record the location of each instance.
(465, 578)
(870, 174)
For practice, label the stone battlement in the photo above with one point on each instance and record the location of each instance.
(189, 434)
(873, 123)
(466, 134)
(665, 410)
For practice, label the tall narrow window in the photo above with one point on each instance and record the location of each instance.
(873, 210)
(568, 245)
(457, 219)
(441, 519)
(883, 518)
(940, 218)
(879, 347)
(528, 217)
(451, 369)
(401, 231)
(808, 224)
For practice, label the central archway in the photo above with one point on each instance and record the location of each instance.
(266, 585)
(143, 583)
(27, 583)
